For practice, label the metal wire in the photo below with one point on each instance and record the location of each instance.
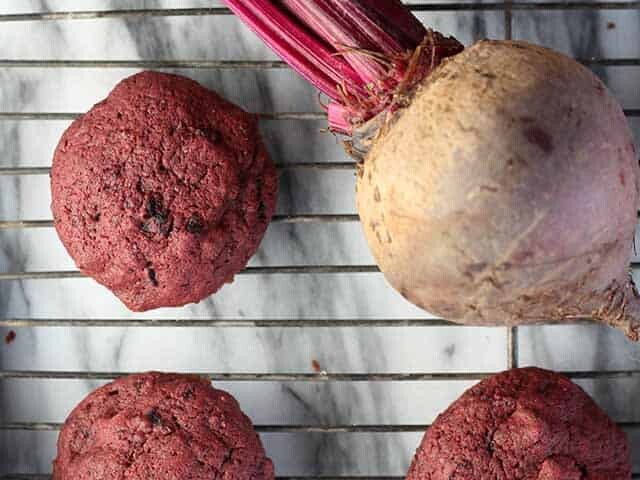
(228, 323)
(235, 64)
(270, 270)
(507, 7)
(8, 171)
(385, 428)
(426, 7)
(368, 477)
(249, 323)
(311, 377)
(632, 112)
(309, 218)
(27, 476)
(74, 115)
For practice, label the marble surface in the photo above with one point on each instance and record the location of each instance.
(584, 34)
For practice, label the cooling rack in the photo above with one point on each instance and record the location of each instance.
(511, 343)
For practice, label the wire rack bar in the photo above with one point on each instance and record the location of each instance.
(231, 64)
(229, 323)
(382, 428)
(271, 270)
(246, 323)
(74, 115)
(149, 64)
(8, 171)
(308, 377)
(31, 476)
(308, 218)
(425, 7)
(12, 224)
(289, 219)
(512, 332)
(26, 171)
(512, 347)
(37, 476)
(28, 476)
(266, 377)
(630, 112)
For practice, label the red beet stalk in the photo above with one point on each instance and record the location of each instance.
(363, 54)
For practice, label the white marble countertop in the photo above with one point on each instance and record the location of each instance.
(338, 349)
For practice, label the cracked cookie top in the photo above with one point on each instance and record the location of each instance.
(160, 426)
(162, 191)
(523, 424)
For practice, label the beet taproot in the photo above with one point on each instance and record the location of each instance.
(497, 185)
(506, 192)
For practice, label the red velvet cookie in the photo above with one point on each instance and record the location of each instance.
(161, 427)
(523, 424)
(162, 191)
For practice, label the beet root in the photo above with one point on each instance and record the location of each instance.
(506, 192)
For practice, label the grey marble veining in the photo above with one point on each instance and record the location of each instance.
(346, 296)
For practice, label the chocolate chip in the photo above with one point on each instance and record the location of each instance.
(140, 186)
(152, 276)
(214, 136)
(262, 210)
(155, 208)
(151, 226)
(154, 417)
(195, 224)
(166, 227)
(148, 226)
(188, 393)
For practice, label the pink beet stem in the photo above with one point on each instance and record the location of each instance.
(357, 52)
(295, 44)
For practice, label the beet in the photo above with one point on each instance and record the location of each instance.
(514, 199)
(497, 186)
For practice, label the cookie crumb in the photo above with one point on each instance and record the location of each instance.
(316, 366)
(10, 337)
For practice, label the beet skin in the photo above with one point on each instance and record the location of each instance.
(506, 192)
